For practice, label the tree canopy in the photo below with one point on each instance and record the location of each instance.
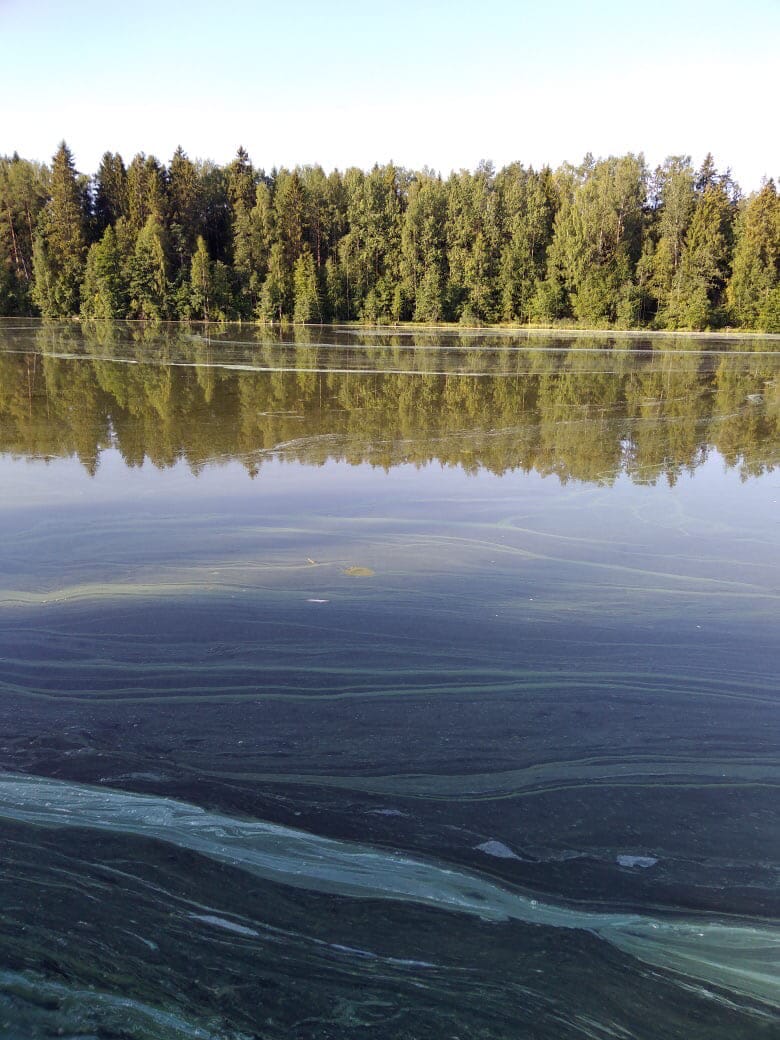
(608, 243)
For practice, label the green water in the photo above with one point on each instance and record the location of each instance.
(375, 682)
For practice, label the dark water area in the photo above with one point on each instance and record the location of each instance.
(376, 682)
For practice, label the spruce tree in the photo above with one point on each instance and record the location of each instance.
(110, 192)
(58, 261)
(527, 207)
(756, 267)
(201, 282)
(184, 218)
(423, 247)
(276, 294)
(698, 290)
(102, 293)
(252, 237)
(148, 274)
(241, 181)
(306, 290)
(146, 192)
(676, 195)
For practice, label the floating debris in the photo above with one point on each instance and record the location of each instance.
(358, 572)
(497, 849)
(637, 861)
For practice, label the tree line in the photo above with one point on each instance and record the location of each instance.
(570, 413)
(608, 243)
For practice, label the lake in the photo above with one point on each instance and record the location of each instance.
(385, 682)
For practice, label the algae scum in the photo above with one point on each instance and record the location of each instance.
(413, 685)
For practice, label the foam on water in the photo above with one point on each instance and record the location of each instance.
(740, 957)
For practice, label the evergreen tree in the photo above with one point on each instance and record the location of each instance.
(429, 297)
(184, 218)
(597, 238)
(424, 246)
(148, 274)
(528, 203)
(224, 306)
(335, 296)
(252, 237)
(306, 290)
(146, 192)
(215, 215)
(318, 216)
(201, 282)
(58, 259)
(768, 319)
(102, 294)
(288, 211)
(473, 244)
(756, 268)
(241, 181)
(698, 289)
(602, 243)
(371, 249)
(110, 192)
(276, 294)
(676, 200)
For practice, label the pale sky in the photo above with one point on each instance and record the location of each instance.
(345, 83)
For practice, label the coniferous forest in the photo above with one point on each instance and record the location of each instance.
(609, 243)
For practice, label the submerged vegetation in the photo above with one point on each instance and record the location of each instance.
(609, 243)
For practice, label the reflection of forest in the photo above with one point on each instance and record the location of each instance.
(581, 414)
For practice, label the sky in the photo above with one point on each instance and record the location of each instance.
(442, 85)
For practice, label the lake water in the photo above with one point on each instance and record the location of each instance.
(387, 683)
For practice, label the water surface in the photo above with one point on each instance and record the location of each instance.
(414, 683)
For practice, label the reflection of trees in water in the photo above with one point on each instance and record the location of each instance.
(581, 414)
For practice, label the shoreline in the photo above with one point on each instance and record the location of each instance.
(410, 326)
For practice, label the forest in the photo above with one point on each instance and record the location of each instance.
(607, 244)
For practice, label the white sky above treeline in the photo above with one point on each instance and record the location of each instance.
(440, 84)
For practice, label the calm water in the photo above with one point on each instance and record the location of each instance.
(388, 684)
